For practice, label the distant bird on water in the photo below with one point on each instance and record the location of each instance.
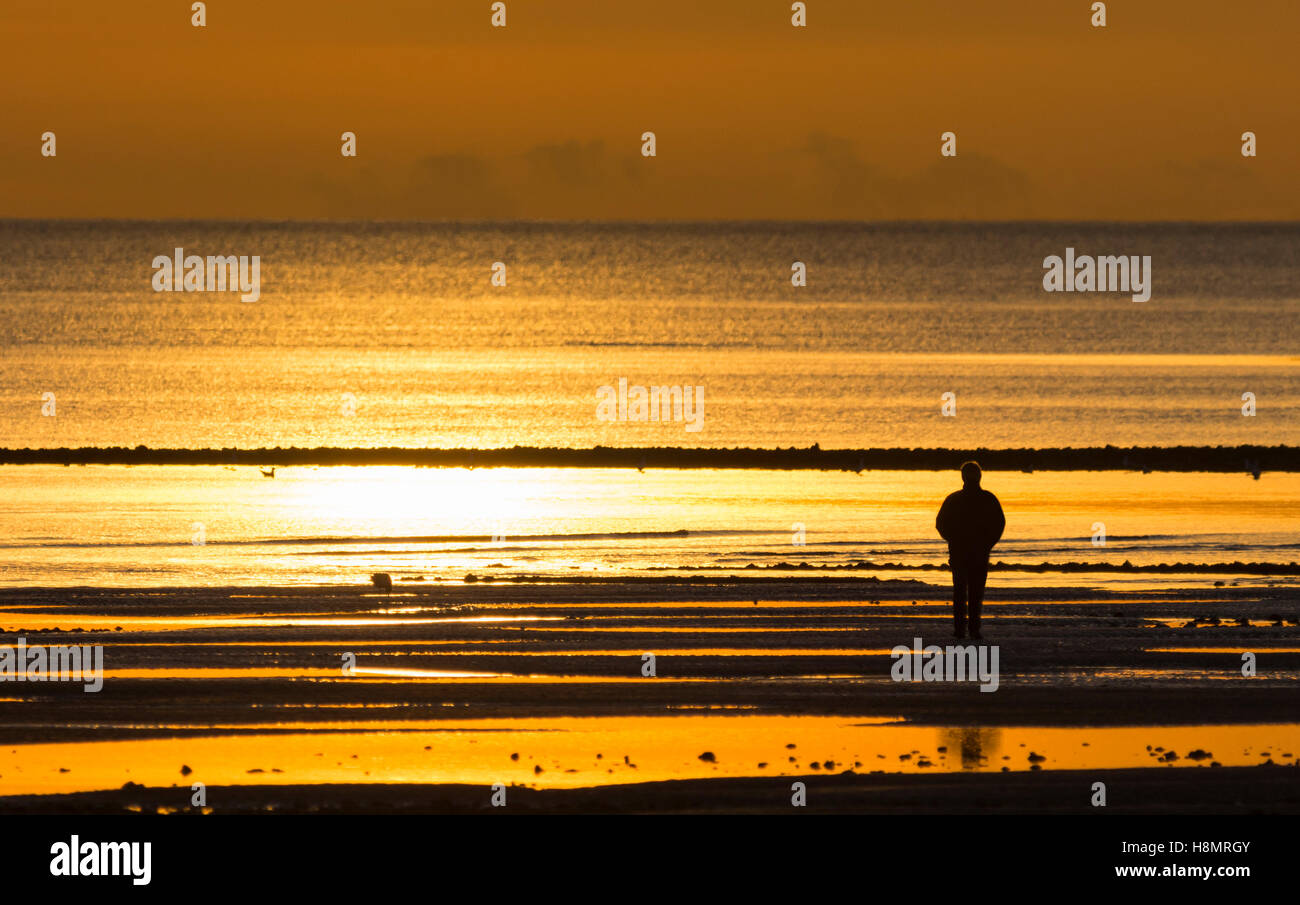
(268, 472)
(382, 580)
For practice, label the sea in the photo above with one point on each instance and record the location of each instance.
(488, 335)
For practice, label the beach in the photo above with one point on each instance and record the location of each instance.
(758, 684)
(603, 604)
(724, 410)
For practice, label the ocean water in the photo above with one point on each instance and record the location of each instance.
(392, 335)
(144, 526)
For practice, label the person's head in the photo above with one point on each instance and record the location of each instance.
(970, 474)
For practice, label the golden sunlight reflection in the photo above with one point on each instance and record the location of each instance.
(425, 526)
(587, 751)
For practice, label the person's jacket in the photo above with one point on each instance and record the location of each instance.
(971, 521)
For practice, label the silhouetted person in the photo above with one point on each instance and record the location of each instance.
(971, 521)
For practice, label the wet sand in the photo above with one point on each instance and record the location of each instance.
(1231, 790)
(760, 683)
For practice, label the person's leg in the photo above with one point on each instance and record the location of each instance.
(959, 580)
(976, 576)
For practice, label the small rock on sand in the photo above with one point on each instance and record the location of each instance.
(708, 757)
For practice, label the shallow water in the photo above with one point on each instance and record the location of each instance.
(630, 749)
(140, 526)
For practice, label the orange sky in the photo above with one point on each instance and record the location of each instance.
(755, 119)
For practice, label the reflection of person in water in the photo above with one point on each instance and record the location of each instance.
(971, 521)
(975, 744)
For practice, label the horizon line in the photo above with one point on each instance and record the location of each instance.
(490, 221)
